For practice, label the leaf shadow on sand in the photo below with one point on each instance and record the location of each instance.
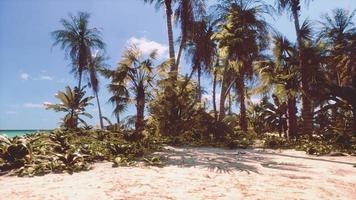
(223, 160)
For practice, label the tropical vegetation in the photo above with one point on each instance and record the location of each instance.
(305, 89)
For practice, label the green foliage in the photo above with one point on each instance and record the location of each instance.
(68, 151)
(240, 139)
(74, 104)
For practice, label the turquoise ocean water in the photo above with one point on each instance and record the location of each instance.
(12, 133)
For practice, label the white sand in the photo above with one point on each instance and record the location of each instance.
(200, 173)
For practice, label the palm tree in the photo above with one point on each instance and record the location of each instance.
(244, 36)
(95, 65)
(294, 7)
(275, 114)
(202, 49)
(168, 4)
(187, 13)
(78, 40)
(119, 100)
(73, 103)
(336, 33)
(282, 75)
(133, 76)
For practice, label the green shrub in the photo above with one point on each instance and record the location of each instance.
(68, 151)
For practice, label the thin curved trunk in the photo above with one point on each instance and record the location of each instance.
(292, 118)
(180, 51)
(99, 108)
(214, 95)
(199, 85)
(306, 103)
(222, 95)
(174, 69)
(240, 85)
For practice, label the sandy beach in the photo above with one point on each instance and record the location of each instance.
(200, 173)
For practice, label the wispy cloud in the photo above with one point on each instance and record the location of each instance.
(36, 105)
(45, 77)
(147, 46)
(24, 76)
(10, 112)
(33, 105)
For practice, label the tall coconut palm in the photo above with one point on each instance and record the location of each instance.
(244, 35)
(78, 40)
(133, 76)
(186, 15)
(168, 5)
(202, 49)
(294, 8)
(96, 64)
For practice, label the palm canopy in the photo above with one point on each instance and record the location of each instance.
(78, 41)
(336, 28)
(133, 71)
(244, 33)
(187, 12)
(95, 66)
(338, 33)
(289, 6)
(73, 103)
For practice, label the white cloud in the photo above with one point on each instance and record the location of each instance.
(32, 105)
(24, 76)
(36, 105)
(11, 112)
(44, 77)
(147, 46)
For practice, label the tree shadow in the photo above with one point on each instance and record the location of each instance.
(308, 158)
(223, 160)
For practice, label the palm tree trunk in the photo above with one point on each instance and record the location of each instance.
(174, 69)
(99, 108)
(240, 85)
(229, 109)
(180, 51)
(354, 120)
(214, 94)
(140, 108)
(292, 118)
(224, 87)
(306, 103)
(199, 85)
(117, 115)
(80, 79)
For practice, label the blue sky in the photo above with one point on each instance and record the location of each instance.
(31, 72)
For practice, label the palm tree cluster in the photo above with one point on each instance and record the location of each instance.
(311, 81)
